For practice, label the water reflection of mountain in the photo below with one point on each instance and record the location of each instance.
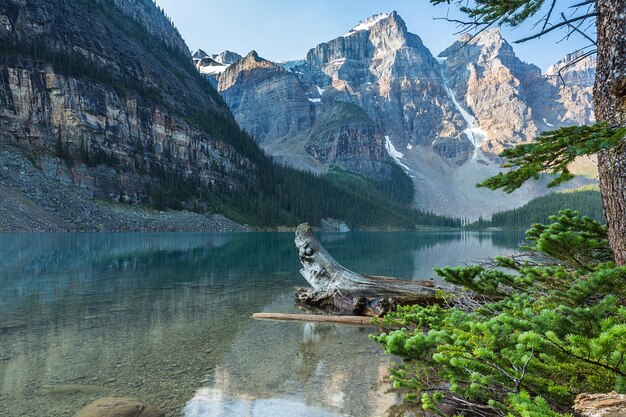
(414, 255)
(309, 370)
(55, 267)
(32, 252)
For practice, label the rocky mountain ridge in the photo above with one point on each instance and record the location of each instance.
(285, 118)
(444, 119)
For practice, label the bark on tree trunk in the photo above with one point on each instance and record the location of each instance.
(337, 288)
(610, 107)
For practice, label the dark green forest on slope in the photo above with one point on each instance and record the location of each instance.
(585, 202)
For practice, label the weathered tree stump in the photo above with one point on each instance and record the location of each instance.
(336, 288)
(601, 405)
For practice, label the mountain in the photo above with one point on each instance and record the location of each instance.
(97, 90)
(512, 101)
(294, 123)
(390, 74)
(227, 57)
(575, 75)
(575, 69)
(103, 97)
(212, 66)
(444, 119)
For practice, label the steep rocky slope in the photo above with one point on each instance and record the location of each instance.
(574, 76)
(380, 67)
(444, 119)
(31, 201)
(296, 124)
(511, 100)
(390, 74)
(103, 96)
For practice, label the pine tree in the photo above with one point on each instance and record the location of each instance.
(534, 331)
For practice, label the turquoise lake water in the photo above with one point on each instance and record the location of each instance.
(165, 318)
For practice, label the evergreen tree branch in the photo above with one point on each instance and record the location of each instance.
(587, 360)
(556, 26)
(552, 153)
(577, 30)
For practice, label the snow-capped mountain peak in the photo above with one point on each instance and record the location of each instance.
(368, 23)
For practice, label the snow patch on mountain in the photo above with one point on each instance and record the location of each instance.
(394, 153)
(213, 69)
(338, 62)
(291, 65)
(367, 23)
(476, 134)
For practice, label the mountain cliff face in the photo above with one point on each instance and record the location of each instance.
(574, 76)
(495, 87)
(390, 74)
(103, 95)
(444, 119)
(300, 124)
(511, 100)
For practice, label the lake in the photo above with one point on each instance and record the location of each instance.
(165, 318)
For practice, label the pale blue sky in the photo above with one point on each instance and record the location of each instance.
(286, 29)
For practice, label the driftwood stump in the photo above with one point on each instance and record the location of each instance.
(336, 288)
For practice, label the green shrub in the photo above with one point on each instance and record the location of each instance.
(528, 335)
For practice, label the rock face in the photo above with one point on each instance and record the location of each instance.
(295, 124)
(32, 201)
(227, 57)
(390, 74)
(574, 76)
(211, 67)
(118, 407)
(95, 108)
(444, 120)
(601, 405)
(495, 87)
(511, 100)
(575, 69)
(151, 20)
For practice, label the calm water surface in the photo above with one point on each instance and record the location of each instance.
(165, 318)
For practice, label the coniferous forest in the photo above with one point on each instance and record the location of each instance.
(585, 202)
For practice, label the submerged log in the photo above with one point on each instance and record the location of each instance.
(344, 291)
(317, 318)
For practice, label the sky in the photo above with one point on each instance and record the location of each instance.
(281, 30)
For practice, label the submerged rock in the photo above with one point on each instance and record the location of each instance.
(69, 389)
(118, 407)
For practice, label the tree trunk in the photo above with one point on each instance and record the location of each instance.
(347, 292)
(610, 107)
